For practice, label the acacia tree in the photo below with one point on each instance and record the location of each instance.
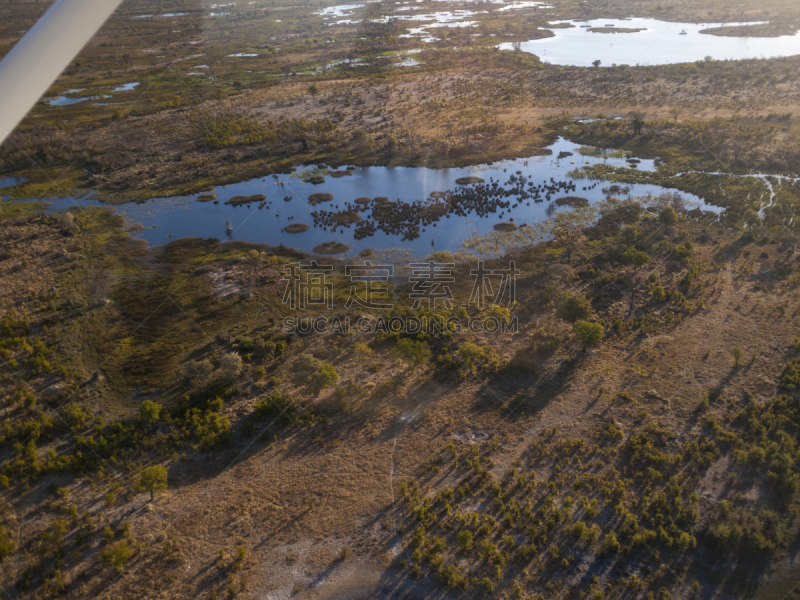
(667, 216)
(152, 479)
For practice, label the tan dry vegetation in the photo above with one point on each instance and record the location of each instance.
(296, 499)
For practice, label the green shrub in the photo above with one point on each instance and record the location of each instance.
(245, 345)
(7, 544)
(241, 554)
(588, 334)
(737, 353)
(790, 375)
(636, 258)
(264, 349)
(667, 216)
(414, 353)
(579, 529)
(118, 555)
(279, 406)
(611, 432)
(208, 428)
(684, 250)
(38, 364)
(325, 377)
(362, 352)
(574, 308)
(464, 540)
(610, 545)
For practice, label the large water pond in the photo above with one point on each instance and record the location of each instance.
(654, 43)
(407, 189)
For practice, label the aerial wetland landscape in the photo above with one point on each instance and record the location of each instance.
(405, 299)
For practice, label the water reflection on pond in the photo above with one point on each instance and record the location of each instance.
(655, 43)
(286, 201)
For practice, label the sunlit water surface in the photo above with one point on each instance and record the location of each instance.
(165, 219)
(659, 43)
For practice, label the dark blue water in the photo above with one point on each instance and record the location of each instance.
(165, 219)
(9, 181)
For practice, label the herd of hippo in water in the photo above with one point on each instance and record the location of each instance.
(473, 196)
(394, 217)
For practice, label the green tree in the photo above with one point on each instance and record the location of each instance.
(589, 334)
(636, 258)
(414, 353)
(153, 480)
(668, 216)
(574, 308)
(313, 90)
(325, 377)
(149, 411)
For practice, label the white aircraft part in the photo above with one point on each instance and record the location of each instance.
(44, 52)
